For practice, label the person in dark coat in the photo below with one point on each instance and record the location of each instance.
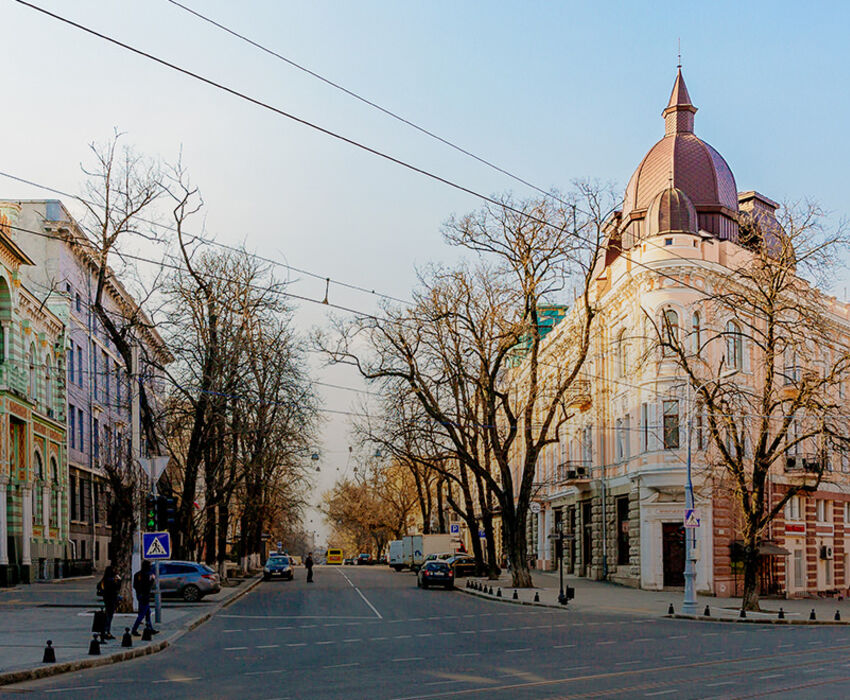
(110, 587)
(143, 582)
(308, 564)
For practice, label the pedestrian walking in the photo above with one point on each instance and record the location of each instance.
(308, 564)
(143, 582)
(109, 588)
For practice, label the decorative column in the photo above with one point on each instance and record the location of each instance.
(46, 502)
(4, 527)
(26, 524)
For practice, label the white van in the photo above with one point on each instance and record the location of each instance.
(396, 558)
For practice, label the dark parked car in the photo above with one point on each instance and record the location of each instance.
(462, 565)
(364, 559)
(435, 573)
(348, 561)
(280, 565)
(187, 579)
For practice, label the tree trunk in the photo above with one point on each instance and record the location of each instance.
(223, 523)
(517, 549)
(122, 523)
(750, 597)
(441, 515)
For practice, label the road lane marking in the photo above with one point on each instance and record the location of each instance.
(771, 675)
(352, 639)
(642, 639)
(355, 663)
(258, 629)
(752, 648)
(177, 680)
(297, 644)
(718, 683)
(470, 653)
(295, 617)
(377, 639)
(268, 646)
(320, 643)
(403, 636)
(602, 643)
(234, 648)
(678, 636)
(517, 651)
(660, 692)
(440, 682)
(427, 634)
(360, 593)
(66, 690)
(409, 658)
(563, 646)
(628, 663)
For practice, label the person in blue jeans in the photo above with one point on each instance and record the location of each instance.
(143, 582)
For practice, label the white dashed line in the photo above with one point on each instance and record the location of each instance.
(354, 639)
(320, 643)
(660, 692)
(409, 658)
(234, 648)
(268, 646)
(297, 644)
(517, 651)
(563, 646)
(342, 665)
(771, 675)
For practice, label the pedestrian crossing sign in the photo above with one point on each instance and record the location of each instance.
(156, 545)
(691, 518)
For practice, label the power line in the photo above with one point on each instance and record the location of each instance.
(361, 98)
(328, 132)
(209, 241)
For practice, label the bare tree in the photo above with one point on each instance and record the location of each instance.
(469, 348)
(767, 366)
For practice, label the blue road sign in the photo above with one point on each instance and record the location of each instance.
(454, 529)
(691, 518)
(156, 545)
(482, 534)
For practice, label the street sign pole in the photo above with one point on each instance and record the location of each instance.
(158, 594)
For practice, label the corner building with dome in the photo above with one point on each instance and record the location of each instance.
(616, 480)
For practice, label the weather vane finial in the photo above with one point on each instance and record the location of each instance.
(680, 53)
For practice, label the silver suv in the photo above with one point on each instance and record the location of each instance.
(187, 579)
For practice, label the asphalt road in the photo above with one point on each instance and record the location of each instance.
(367, 632)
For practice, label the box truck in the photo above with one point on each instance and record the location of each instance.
(416, 547)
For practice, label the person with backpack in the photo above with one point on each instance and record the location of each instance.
(143, 582)
(108, 588)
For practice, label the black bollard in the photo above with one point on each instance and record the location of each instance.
(516, 596)
(536, 597)
(707, 611)
(812, 615)
(147, 635)
(94, 646)
(49, 654)
(670, 610)
(781, 614)
(837, 616)
(491, 590)
(743, 614)
(499, 593)
(127, 639)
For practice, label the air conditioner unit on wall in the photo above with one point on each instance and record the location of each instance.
(826, 552)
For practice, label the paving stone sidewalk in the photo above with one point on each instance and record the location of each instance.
(601, 596)
(63, 612)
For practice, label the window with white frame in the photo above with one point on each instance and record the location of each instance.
(734, 346)
(671, 424)
(670, 331)
(794, 508)
(643, 428)
(791, 371)
(846, 514)
(627, 435)
(618, 443)
(696, 324)
(622, 354)
(822, 510)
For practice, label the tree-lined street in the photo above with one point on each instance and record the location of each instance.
(368, 632)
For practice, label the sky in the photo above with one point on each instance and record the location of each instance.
(550, 91)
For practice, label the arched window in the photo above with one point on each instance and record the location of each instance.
(670, 331)
(39, 467)
(734, 346)
(622, 354)
(54, 470)
(696, 322)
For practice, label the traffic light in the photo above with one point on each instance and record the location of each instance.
(164, 512)
(150, 513)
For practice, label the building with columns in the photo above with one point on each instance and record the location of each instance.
(97, 383)
(33, 457)
(616, 481)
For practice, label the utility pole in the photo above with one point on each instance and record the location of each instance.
(135, 448)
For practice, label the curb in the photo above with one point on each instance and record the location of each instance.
(758, 621)
(528, 603)
(38, 672)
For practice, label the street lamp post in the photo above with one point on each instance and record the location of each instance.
(689, 604)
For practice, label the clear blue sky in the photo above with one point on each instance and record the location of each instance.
(552, 91)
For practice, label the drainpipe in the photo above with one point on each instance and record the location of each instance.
(604, 528)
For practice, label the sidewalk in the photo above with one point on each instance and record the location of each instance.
(604, 597)
(63, 613)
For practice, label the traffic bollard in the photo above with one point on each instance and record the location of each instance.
(781, 614)
(49, 654)
(707, 611)
(147, 635)
(670, 610)
(516, 596)
(837, 616)
(499, 593)
(94, 646)
(812, 615)
(536, 597)
(743, 613)
(127, 639)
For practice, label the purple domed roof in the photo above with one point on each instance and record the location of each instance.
(686, 162)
